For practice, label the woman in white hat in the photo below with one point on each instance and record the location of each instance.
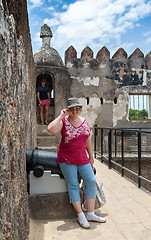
(73, 159)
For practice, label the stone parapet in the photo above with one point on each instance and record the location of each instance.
(135, 60)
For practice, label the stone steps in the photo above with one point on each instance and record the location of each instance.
(50, 149)
(45, 140)
(42, 130)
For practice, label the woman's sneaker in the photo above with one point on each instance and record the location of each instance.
(95, 218)
(84, 224)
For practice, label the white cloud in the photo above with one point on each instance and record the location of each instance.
(148, 40)
(137, 12)
(37, 37)
(138, 25)
(65, 6)
(146, 34)
(51, 22)
(37, 40)
(50, 9)
(35, 3)
(95, 24)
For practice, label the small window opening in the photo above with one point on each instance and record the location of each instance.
(87, 100)
(115, 100)
(101, 100)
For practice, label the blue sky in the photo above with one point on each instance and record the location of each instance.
(93, 23)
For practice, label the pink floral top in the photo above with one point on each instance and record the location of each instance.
(72, 148)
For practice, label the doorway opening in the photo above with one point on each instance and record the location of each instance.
(50, 83)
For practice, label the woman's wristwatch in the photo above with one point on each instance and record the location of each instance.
(91, 158)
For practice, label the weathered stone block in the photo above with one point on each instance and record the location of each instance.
(51, 206)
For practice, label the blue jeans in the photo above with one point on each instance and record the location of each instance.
(70, 172)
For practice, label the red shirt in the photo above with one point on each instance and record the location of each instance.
(72, 148)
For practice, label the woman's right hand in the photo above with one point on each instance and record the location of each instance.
(56, 125)
(64, 112)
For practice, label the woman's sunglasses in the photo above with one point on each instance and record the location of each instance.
(74, 109)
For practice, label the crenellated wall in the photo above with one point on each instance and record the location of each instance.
(103, 84)
(17, 117)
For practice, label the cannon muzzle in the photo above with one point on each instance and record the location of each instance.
(39, 160)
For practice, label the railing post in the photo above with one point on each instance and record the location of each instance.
(122, 151)
(95, 134)
(115, 143)
(110, 147)
(101, 144)
(139, 159)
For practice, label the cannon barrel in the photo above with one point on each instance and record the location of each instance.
(42, 159)
(39, 160)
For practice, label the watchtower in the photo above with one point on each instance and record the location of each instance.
(49, 65)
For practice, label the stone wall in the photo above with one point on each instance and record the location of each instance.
(103, 84)
(17, 117)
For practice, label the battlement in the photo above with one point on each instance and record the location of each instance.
(135, 60)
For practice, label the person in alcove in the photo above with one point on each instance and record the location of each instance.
(43, 96)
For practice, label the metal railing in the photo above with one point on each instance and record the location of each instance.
(127, 150)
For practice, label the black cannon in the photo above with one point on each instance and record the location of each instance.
(38, 161)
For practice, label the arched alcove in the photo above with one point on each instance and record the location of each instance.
(50, 83)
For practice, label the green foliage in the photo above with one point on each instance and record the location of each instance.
(138, 114)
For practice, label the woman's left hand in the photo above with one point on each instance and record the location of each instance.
(91, 161)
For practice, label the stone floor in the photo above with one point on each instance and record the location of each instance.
(127, 211)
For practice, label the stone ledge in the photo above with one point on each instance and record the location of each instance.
(49, 149)
(50, 206)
